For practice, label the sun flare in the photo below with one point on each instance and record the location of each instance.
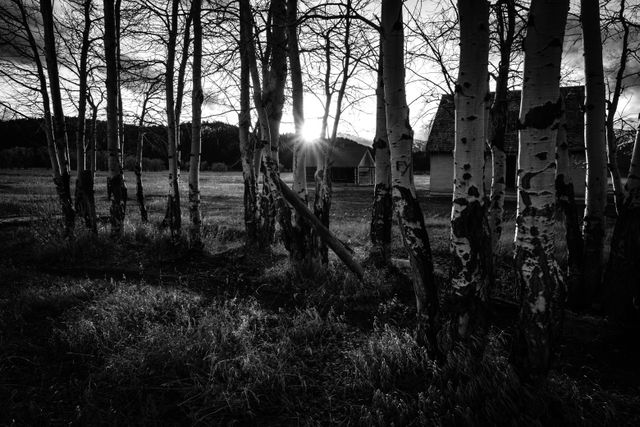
(310, 131)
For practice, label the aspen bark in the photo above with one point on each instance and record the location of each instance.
(247, 149)
(272, 104)
(59, 127)
(466, 294)
(595, 141)
(195, 234)
(265, 210)
(172, 217)
(144, 216)
(537, 270)
(382, 209)
(498, 119)
(622, 290)
(405, 203)
(118, 202)
(84, 177)
(65, 202)
(322, 176)
(301, 233)
(121, 133)
(566, 202)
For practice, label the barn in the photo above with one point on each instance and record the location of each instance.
(441, 141)
(351, 163)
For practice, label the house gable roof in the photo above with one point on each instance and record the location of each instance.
(441, 137)
(367, 161)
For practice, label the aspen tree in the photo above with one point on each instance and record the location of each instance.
(506, 26)
(85, 200)
(537, 270)
(247, 148)
(173, 216)
(301, 236)
(118, 202)
(59, 127)
(195, 235)
(63, 192)
(405, 203)
(466, 294)
(622, 281)
(382, 209)
(595, 141)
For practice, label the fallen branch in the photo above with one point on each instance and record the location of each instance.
(332, 241)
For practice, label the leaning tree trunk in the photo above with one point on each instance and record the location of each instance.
(405, 203)
(59, 128)
(301, 252)
(566, 202)
(247, 150)
(595, 141)
(172, 217)
(537, 270)
(466, 293)
(498, 120)
(382, 209)
(118, 202)
(622, 281)
(195, 233)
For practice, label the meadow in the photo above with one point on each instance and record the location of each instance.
(144, 331)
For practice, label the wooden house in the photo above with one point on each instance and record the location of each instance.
(351, 163)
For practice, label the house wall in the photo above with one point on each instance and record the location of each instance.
(577, 167)
(441, 173)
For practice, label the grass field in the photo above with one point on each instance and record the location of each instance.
(143, 330)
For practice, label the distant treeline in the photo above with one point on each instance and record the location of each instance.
(23, 145)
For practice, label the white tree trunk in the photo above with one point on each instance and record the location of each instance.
(470, 238)
(247, 148)
(595, 141)
(382, 209)
(195, 235)
(59, 127)
(173, 216)
(537, 270)
(116, 175)
(405, 203)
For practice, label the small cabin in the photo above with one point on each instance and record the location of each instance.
(351, 163)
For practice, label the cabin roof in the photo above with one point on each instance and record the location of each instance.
(346, 154)
(441, 136)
